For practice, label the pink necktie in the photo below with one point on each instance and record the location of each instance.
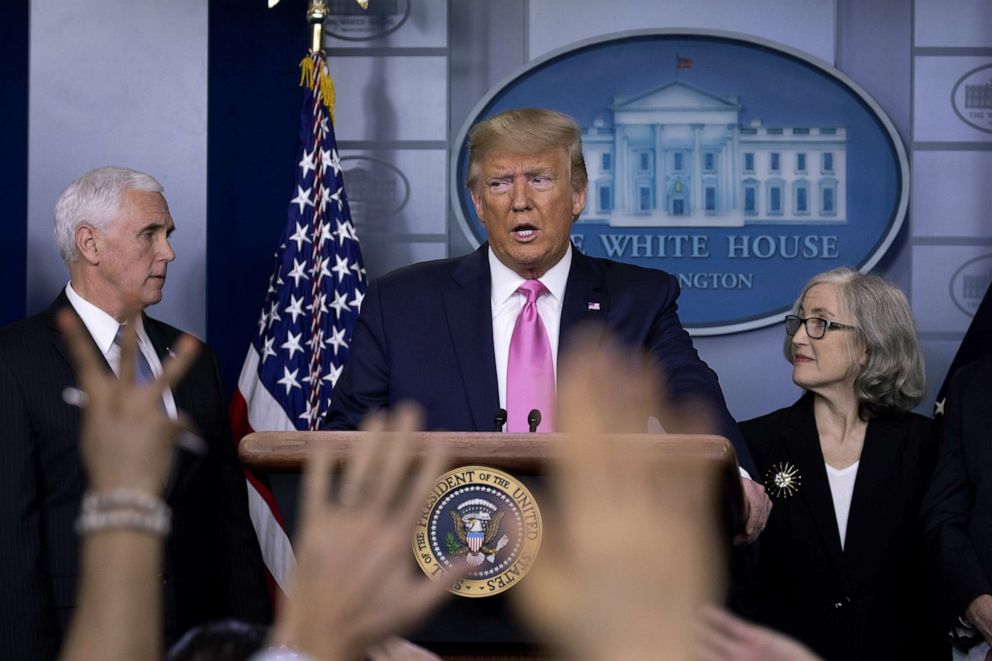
(530, 373)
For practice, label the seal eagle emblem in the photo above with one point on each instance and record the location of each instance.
(484, 517)
(476, 529)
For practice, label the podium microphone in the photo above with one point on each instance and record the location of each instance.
(533, 419)
(499, 420)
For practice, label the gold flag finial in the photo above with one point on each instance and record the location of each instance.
(316, 13)
(364, 4)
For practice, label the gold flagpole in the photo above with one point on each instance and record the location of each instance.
(316, 13)
(313, 70)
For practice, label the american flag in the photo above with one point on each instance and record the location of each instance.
(314, 294)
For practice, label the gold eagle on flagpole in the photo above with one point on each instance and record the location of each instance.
(364, 4)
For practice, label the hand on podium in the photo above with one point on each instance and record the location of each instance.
(758, 507)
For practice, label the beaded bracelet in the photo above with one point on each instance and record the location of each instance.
(124, 508)
(121, 497)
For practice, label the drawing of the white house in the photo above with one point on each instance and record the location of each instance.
(677, 156)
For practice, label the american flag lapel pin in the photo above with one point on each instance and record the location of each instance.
(593, 305)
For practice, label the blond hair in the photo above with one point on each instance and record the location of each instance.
(527, 131)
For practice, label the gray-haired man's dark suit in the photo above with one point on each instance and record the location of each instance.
(212, 564)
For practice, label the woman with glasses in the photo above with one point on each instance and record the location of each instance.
(846, 466)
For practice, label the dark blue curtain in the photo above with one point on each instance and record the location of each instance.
(253, 114)
(14, 37)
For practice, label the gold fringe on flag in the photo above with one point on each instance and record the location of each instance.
(315, 76)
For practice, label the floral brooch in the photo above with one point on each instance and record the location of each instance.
(782, 480)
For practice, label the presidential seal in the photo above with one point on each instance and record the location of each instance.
(783, 480)
(484, 517)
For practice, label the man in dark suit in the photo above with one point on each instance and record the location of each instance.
(957, 512)
(112, 227)
(444, 333)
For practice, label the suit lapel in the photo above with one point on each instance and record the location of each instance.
(880, 456)
(586, 298)
(804, 448)
(158, 340)
(62, 302)
(468, 308)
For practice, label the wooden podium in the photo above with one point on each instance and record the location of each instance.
(488, 628)
(528, 453)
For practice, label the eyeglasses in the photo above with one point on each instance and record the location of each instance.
(816, 327)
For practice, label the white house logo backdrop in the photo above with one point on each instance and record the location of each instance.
(972, 98)
(740, 167)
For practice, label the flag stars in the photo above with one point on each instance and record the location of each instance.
(297, 272)
(346, 231)
(324, 195)
(340, 303)
(359, 270)
(300, 237)
(319, 305)
(289, 379)
(292, 344)
(311, 413)
(302, 198)
(327, 160)
(341, 267)
(337, 340)
(308, 162)
(295, 307)
(267, 348)
(274, 313)
(333, 374)
(325, 233)
(324, 273)
(357, 301)
(315, 341)
(314, 263)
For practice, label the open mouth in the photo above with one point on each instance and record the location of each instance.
(524, 232)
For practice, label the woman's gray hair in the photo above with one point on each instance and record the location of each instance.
(95, 199)
(892, 376)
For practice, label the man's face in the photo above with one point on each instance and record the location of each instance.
(526, 203)
(134, 250)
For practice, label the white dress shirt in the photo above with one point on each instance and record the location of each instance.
(507, 303)
(103, 329)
